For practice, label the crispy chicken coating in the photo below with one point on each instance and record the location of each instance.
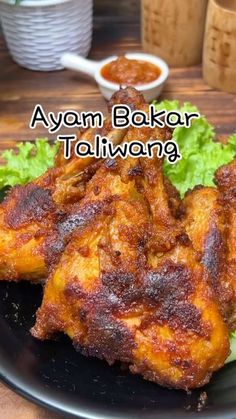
(32, 216)
(135, 275)
(184, 338)
(205, 223)
(225, 179)
(121, 298)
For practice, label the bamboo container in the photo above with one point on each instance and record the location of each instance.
(219, 56)
(174, 30)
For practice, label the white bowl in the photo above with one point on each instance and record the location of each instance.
(150, 91)
(38, 32)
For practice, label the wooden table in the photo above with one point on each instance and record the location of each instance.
(21, 89)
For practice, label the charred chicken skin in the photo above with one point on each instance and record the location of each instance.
(34, 215)
(135, 275)
(121, 299)
(225, 179)
(205, 223)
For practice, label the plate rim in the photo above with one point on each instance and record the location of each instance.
(62, 408)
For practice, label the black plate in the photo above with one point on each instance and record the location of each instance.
(53, 374)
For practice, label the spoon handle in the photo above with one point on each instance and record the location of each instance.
(77, 63)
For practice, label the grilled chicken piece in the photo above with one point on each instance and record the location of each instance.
(225, 179)
(34, 218)
(183, 339)
(205, 223)
(103, 187)
(70, 185)
(126, 283)
(121, 298)
(31, 215)
(166, 230)
(85, 255)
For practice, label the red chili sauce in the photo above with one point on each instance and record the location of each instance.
(130, 72)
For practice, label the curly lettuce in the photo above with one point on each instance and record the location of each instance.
(29, 161)
(201, 153)
(232, 356)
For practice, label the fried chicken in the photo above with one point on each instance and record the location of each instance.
(205, 223)
(32, 215)
(135, 275)
(130, 288)
(225, 179)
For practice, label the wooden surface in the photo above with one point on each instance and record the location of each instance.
(13, 406)
(20, 90)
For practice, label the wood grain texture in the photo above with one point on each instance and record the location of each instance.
(219, 58)
(21, 89)
(165, 30)
(13, 406)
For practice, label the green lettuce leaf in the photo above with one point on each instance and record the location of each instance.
(28, 162)
(232, 356)
(201, 153)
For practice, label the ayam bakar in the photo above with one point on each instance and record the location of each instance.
(122, 116)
